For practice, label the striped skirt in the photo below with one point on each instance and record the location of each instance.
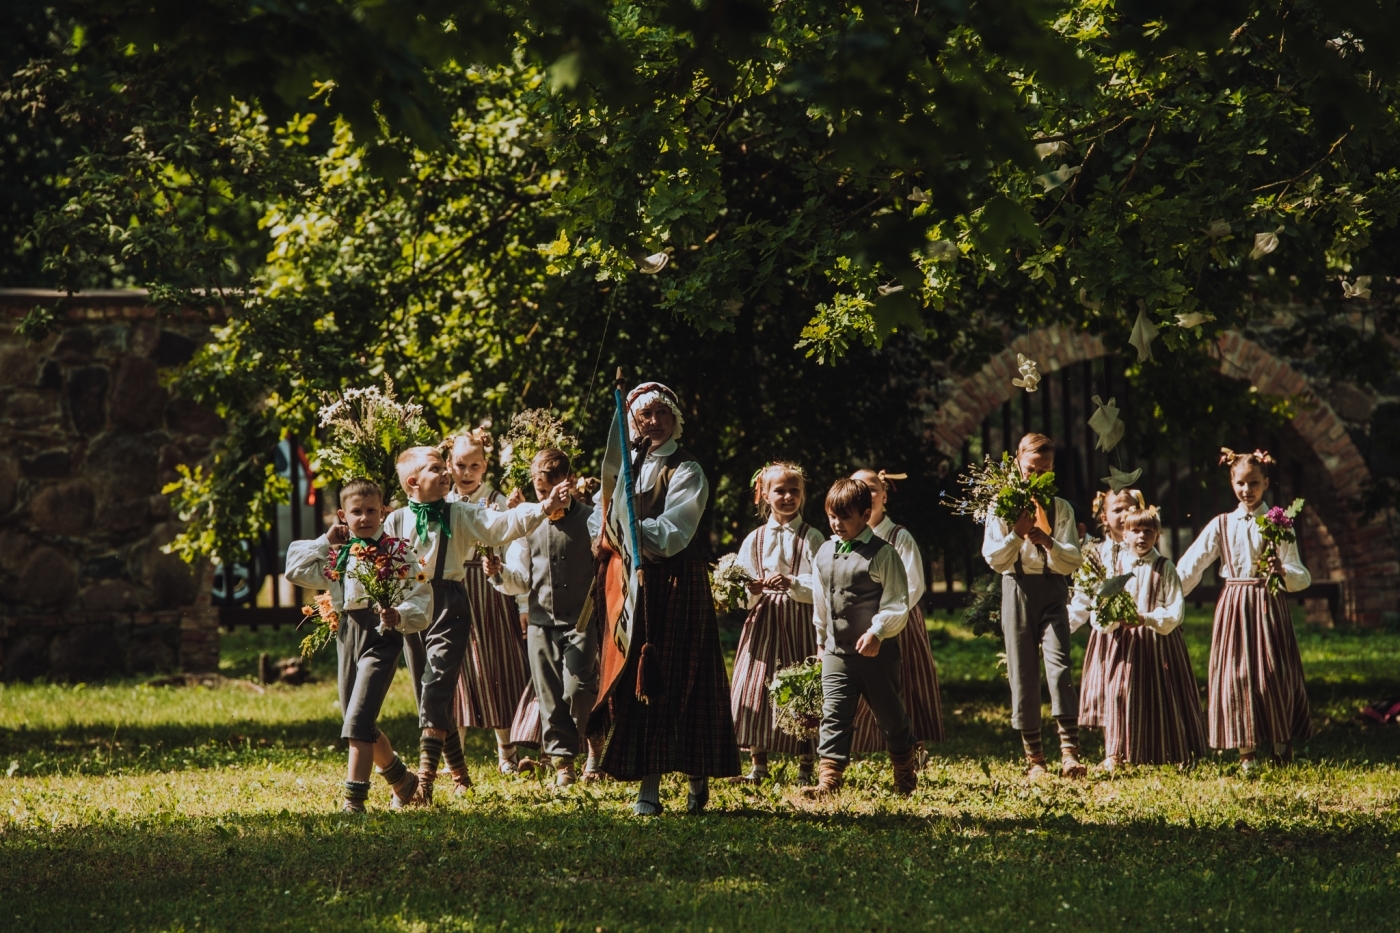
(1151, 703)
(919, 678)
(1091, 680)
(778, 632)
(525, 725)
(494, 674)
(1256, 675)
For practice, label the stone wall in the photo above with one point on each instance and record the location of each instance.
(88, 436)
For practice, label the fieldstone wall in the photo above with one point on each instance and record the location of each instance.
(88, 436)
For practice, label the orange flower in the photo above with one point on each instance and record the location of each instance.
(333, 622)
(403, 572)
(324, 605)
(307, 611)
(333, 574)
(422, 577)
(357, 551)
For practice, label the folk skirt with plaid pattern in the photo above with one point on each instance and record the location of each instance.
(1257, 694)
(919, 677)
(687, 727)
(1091, 680)
(494, 673)
(1151, 703)
(778, 632)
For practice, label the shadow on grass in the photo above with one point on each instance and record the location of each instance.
(573, 865)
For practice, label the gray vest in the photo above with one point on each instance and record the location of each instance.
(853, 595)
(561, 567)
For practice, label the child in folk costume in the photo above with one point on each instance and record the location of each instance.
(494, 673)
(778, 630)
(368, 644)
(553, 567)
(860, 605)
(687, 725)
(1257, 697)
(918, 671)
(1151, 705)
(1110, 509)
(1036, 556)
(446, 534)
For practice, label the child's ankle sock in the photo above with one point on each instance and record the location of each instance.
(649, 796)
(1068, 727)
(356, 793)
(504, 748)
(394, 774)
(429, 756)
(804, 763)
(760, 761)
(1030, 741)
(452, 752)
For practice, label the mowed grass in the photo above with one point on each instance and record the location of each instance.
(129, 807)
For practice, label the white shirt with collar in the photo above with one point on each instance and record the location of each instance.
(909, 554)
(307, 562)
(1169, 609)
(514, 578)
(1245, 545)
(472, 525)
(887, 570)
(1115, 556)
(1001, 546)
(779, 544)
(669, 533)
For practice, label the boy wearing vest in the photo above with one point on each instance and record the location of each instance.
(444, 534)
(1036, 555)
(860, 600)
(553, 565)
(367, 644)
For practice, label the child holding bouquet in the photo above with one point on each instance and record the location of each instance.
(1257, 698)
(1036, 551)
(777, 558)
(447, 535)
(368, 644)
(1151, 705)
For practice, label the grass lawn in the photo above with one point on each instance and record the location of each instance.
(129, 807)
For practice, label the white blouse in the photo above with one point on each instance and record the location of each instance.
(1245, 546)
(909, 554)
(472, 525)
(1001, 546)
(669, 533)
(306, 566)
(779, 543)
(1170, 607)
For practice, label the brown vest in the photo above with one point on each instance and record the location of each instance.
(652, 502)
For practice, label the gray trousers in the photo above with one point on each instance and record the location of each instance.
(367, 663)
(1035, 618)
(415, 659)
(848, 677)
(564, 671)
(444, 647)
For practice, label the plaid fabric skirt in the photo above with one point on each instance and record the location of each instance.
(688, 727)
(1151, 703)
(494, 673)
(778, 632)
(919, 678)
(1257, 694)
(1091, 680)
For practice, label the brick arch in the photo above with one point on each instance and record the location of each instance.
(1363, 557)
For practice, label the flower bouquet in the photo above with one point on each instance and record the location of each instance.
(368, 429)
(1109, 595)
(1275, 527)
(796, 692)
(325, 623)
(983, 614)
(385, 573)
(728, 585)
(1001, 489)
(530, 432)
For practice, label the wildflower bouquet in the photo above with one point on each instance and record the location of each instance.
(1109, 595)
(384, 573)
(1275, 527)
(368, 429)
(983, 614)
(796, 692)
(530, 432)
(728, 585)
(325, 623)
(1001, 489)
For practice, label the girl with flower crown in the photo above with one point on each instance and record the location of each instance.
(1257, 698)
(778, 631)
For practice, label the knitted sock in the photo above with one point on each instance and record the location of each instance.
(429, 755)
(1030, 740)
(760, 760)
(356, 791)
(648, 796)
(698, 785)
(1068, 727)
(503, 744)
(452, 752)
(804, 763)
(395, 773)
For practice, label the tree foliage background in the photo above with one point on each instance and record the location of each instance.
(857, 202)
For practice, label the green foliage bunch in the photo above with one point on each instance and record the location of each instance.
(1000, 488)
(796, 693)
(531, 431)
(366, 431)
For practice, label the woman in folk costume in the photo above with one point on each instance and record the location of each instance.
(778, 630)
(682, 720)
(494, 673)
(917, 668)
(1110, 509)
(1151, 704)
(1257, 697)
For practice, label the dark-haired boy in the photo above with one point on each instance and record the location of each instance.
(368, 653)
(861, 602)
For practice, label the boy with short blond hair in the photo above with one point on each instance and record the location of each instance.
(367, 644)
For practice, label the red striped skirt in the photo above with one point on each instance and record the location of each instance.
(493, 674)
(778, 632)
(1257, 694)
(1091, 680)
(525, 726)
(1151, 703)
(919, 677)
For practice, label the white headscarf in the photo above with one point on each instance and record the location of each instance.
(648, 392)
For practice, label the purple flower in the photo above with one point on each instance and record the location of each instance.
(1277, 516)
